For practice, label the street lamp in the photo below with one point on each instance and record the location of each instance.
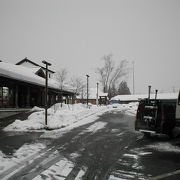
(97, 95)
(46, 90)
(87, 88)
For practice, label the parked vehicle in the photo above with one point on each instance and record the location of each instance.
(158, 116)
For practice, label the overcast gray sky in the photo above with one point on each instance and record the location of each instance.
(75, 34)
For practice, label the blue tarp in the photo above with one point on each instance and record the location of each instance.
(114, 102)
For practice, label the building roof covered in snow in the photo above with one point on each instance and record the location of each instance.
(137, 97)
(26, 74)
(26, 62)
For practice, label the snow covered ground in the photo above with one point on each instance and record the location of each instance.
(67, 115)
(60, 120)
(63, 119)
(26, 152)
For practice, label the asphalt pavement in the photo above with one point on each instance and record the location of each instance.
(107, 149)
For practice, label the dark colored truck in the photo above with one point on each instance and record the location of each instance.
(160, 116)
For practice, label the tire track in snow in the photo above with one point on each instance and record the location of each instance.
(48, 156)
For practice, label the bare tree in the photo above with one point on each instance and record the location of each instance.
(61, 76)
(110, 74)
(78, 86)
(105, 71)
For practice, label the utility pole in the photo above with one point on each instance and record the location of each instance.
(87, 88)
(46, 91)
(133, 78)
(97, 95)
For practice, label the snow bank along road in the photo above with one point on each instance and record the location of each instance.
(103, 148)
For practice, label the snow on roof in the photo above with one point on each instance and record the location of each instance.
(26, 60)
(137, 97)
(25, 74)
(34, 69)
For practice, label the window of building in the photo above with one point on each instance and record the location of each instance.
(4, 96)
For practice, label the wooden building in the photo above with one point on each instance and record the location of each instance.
(24, 87)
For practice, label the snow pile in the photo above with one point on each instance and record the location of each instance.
(35, 108)
(61, 169)
(130, 108)
(164, 147)
(58, 117)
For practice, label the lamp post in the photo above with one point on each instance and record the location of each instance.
(46, 90)
(97, 95)
(87, 88)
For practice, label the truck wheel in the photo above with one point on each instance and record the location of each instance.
(172, 133)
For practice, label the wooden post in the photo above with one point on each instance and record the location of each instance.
(97, 96)
(100, 100)
(87, 89)
(46, 91)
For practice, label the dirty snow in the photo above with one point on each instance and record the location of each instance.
(80, 174)
(134, 156)
(164, 147)
(96, 126)
(23, 153)
(129, 109)
(112, 177)
(60, 171)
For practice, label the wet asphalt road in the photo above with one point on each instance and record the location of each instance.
(114, 152)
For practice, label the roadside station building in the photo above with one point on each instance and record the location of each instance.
(23, 86)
